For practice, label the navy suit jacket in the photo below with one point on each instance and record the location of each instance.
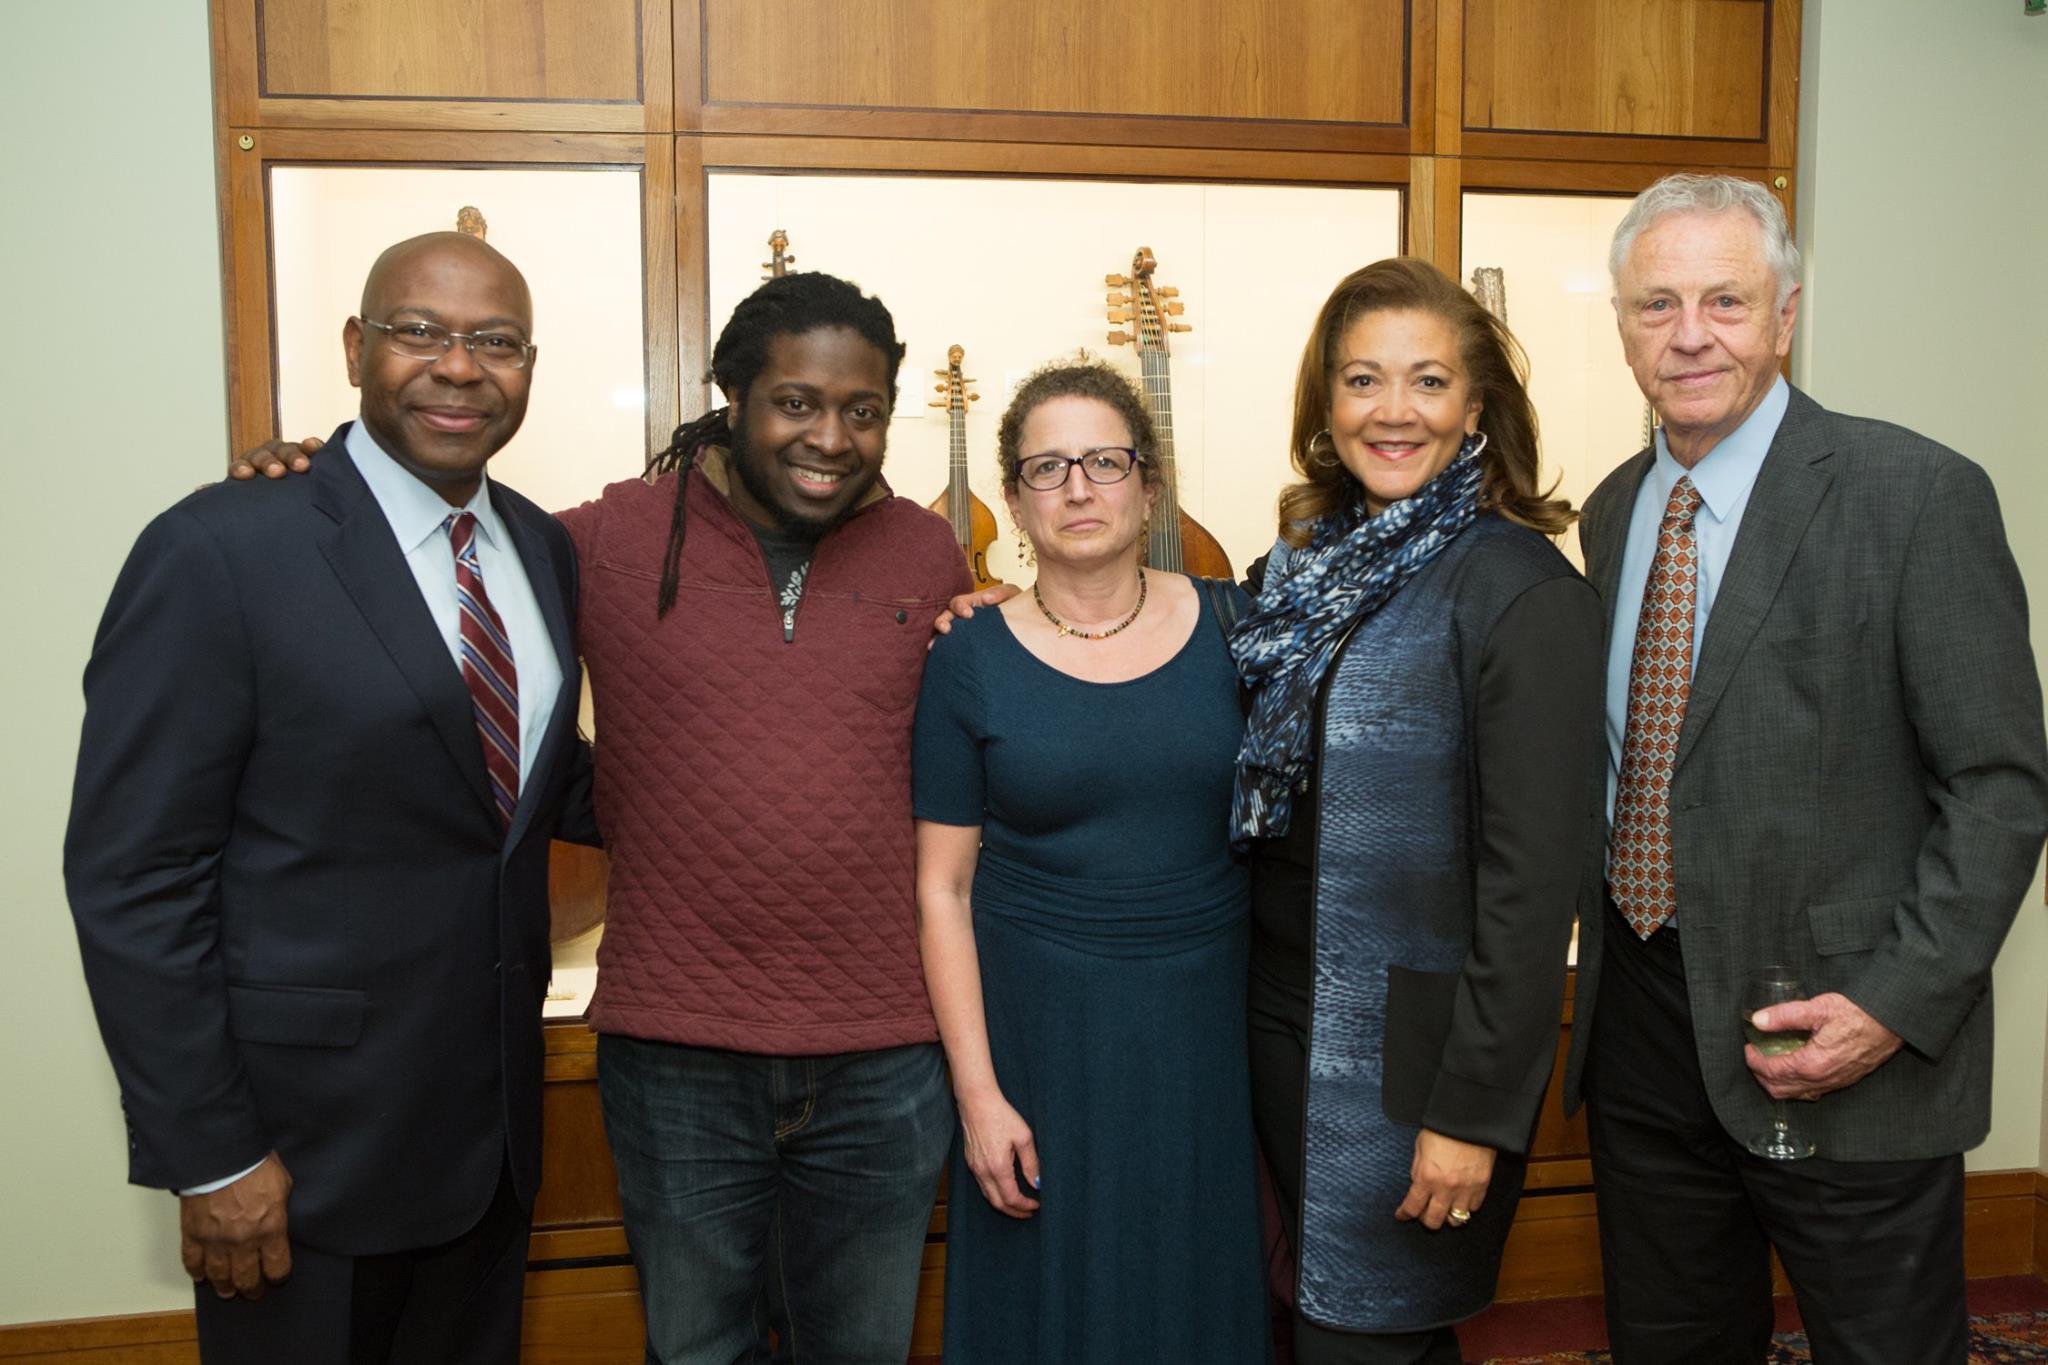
(303, 925)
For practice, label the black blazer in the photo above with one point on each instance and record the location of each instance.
(302, 925)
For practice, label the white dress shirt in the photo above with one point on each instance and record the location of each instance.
(419, 518)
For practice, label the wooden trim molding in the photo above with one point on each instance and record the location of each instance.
(2041, 1225)
(1049, 159)
(971, 125)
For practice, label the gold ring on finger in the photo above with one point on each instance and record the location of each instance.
(1460, 1217)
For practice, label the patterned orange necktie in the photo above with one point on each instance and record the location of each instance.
(1639, 865)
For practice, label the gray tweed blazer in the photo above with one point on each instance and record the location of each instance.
(1861, 788)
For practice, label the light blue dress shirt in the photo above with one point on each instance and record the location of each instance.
(419, 517)
(1724, 480)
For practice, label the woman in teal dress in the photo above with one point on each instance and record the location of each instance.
(1085, 928)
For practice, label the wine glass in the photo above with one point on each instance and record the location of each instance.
(1774, 986)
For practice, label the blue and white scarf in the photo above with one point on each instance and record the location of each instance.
(1351, 567)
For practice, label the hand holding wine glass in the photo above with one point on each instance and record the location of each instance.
(1775, 985)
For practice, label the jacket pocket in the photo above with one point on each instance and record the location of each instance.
(1418, 1021)
(295, 1016)
(1853, 926)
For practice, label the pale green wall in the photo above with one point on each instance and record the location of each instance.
(110, 364)
(1924, 211)
(1921, 181)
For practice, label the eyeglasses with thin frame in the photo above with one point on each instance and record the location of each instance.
(417, 340)
(1103, 464)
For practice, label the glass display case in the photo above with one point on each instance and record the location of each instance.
(1551, 251)
(1013, 272)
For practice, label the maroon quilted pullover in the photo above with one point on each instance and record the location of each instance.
(755, 792)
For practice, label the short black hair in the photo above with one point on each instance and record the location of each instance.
(789, 305)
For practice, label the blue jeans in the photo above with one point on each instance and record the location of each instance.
(820, 1170)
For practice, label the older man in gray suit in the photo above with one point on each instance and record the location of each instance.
(1826, 733)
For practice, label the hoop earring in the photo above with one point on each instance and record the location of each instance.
(1328, 458)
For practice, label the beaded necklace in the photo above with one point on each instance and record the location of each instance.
(1064, 629)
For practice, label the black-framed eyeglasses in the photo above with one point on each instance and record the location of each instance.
(1103, 464)
(418, 340)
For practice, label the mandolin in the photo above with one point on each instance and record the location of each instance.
(974, 526)
(780, 259)
(1180, 544)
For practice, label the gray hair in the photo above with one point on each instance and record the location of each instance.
(1686, 193)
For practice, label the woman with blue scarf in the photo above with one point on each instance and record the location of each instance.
(1419, 788)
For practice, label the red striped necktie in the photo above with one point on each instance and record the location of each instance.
(487, 668)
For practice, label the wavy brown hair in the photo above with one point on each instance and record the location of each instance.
(1494, 366)
(1077, 379)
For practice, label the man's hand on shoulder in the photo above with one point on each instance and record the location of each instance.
(963, 606)
(275, 458)
(234, 1237)
(1845, 1045)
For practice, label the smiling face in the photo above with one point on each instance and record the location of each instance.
(810, 431)
(1079, 522)
(441, 419)
(1701, 324)
(1400, 402)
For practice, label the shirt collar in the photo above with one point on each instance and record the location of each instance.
(415, 510)
(1728, 471)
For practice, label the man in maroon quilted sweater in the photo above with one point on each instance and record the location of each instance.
(753, 622)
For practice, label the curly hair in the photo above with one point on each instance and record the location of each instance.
(1077, 379)
(1493, 363)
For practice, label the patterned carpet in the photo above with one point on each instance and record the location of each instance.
(1995, 1339)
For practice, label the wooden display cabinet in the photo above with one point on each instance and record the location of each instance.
(1436, 98)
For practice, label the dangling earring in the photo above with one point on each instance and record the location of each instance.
(1145, 539)
(1027, 553)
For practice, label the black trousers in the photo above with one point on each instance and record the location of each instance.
(1874, 1249)
(1279, 1090)
(453, 1304)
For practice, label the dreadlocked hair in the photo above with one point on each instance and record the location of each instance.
(689, 440)
(789, 305)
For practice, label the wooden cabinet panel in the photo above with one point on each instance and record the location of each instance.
(578, 1184)
(1646, 68)
(587, 51)
(1319, 60)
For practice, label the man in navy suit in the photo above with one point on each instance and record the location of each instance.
(308, 849)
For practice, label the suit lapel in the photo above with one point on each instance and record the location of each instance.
(1788, 491)
(365, 556)
(1605, 538)
(543, 577)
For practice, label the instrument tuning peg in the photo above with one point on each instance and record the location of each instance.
(935, 405)
(1115, 296)
(1117, 338)
(974, 398)
(1168, 292)
(1115, 281)
(1179, 327)
(1176, 309)
(938, 388)
(1119, 315)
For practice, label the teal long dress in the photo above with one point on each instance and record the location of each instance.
(1112, 924)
